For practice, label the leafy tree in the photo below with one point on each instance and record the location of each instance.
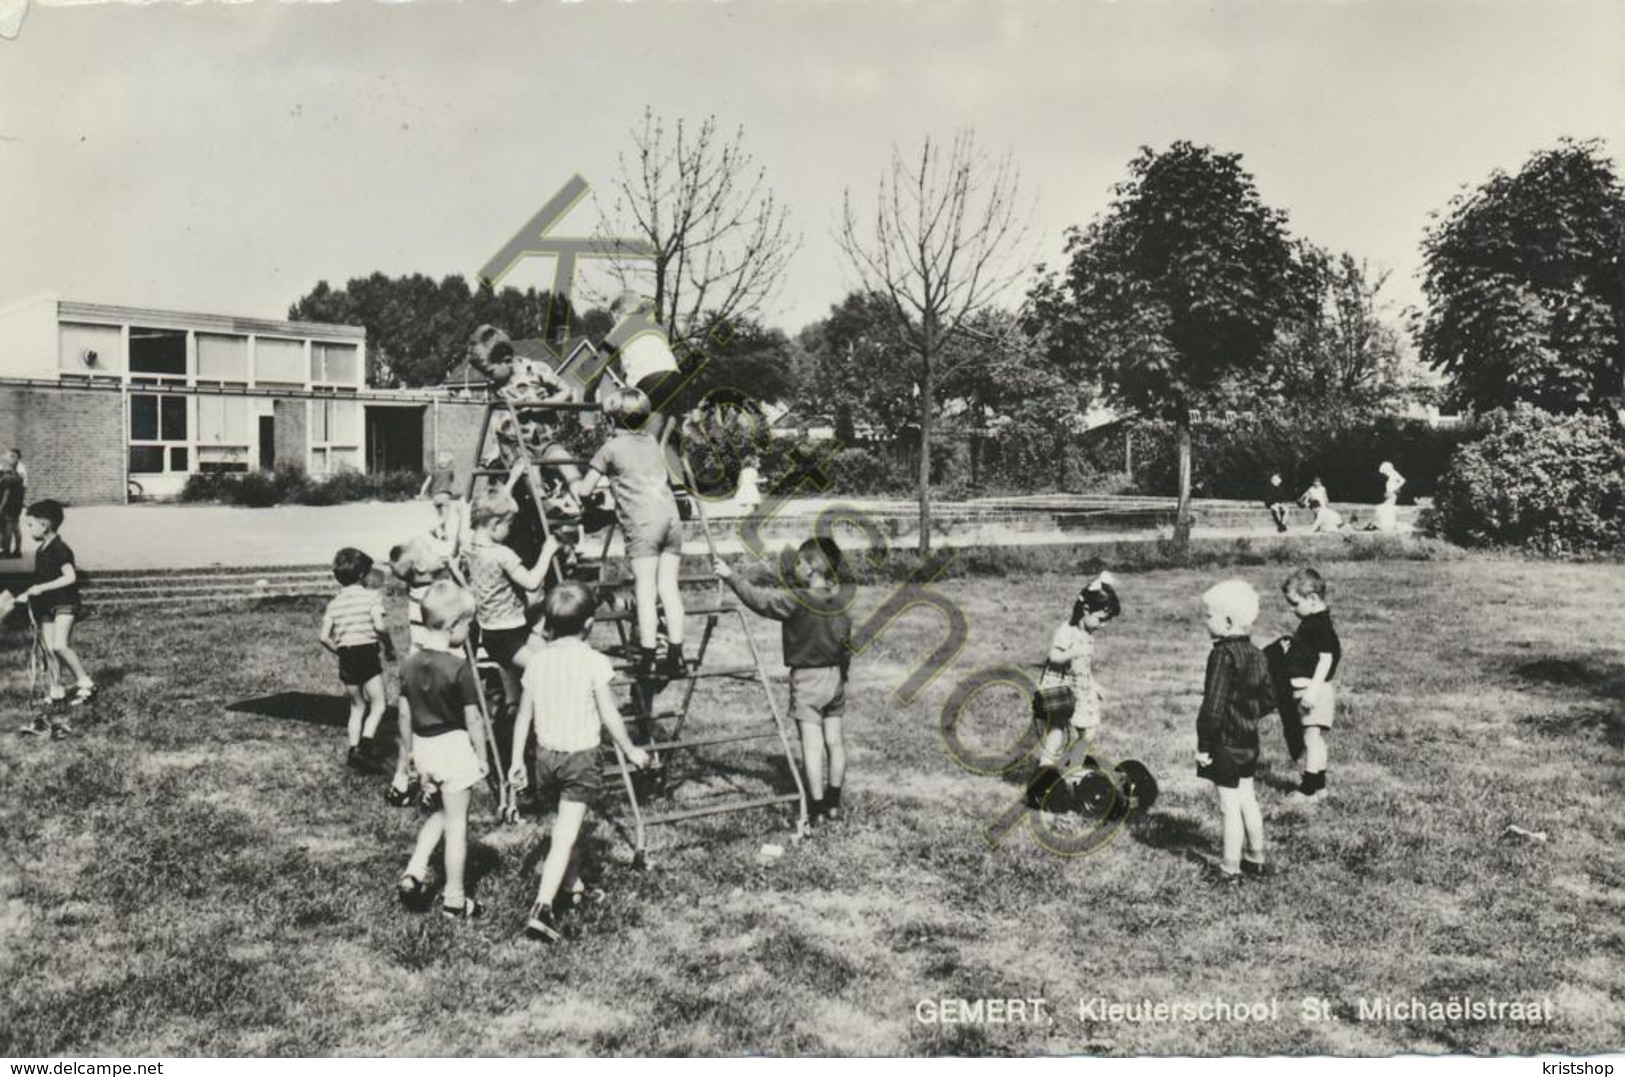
(1181, 282)
(937, 251)
(860, 370)
(1525, 281)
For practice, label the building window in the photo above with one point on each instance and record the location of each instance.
(222, 358)
(334, 364)
(157, 354)
(159, 439)
(335, 437)
(222, 433)
(280, 362)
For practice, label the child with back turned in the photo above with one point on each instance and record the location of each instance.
(568, 702)
(816, 636)
(651, 526)
(440, 719)
(353, 629)
(1236, 693)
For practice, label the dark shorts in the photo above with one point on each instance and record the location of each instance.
(1229, 766)
(47, 609)
(358, 665)
(574, 775)
(501, 644)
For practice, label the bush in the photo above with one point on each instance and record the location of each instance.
(1547, 484)
(291, 486)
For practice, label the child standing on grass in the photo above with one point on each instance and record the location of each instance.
(353, 629)
(440, 719)
(53, 599)
(1311, 662)
(651, 527)
(568, 702)
(816, 639)
(1071, 662)
(418, 564)
(441, 487)
(1236, 693)
(12, 492)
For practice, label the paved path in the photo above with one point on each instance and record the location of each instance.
(197, 536)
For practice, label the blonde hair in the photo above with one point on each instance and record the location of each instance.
(492, 508)
(1236, 599)
(628, 404)
(445, 604)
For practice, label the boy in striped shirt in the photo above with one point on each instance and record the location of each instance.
(353, 629)
(568, 701)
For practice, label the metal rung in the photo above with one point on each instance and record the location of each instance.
(694, 611)
(712, 738)
(718, 809)
(729, 671)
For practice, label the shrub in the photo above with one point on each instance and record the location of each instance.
(291, 486)
(1547, 484)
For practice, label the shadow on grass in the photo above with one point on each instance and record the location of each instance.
(308, 707)
(1172, 833)
(1592, 675)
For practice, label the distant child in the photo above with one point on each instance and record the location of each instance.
(353, 629)
(15, 458)
(1311, 662)
(651, 527)
(748, 494)
(441, 486)
(1070, 662)
(816, 638)
(54, 601)
(12, 492)
(568, 702)
(1235, 694)
(1275, 500)
(502, 585)
(440, 719)
(418, 564)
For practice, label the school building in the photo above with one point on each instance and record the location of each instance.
(109, 404)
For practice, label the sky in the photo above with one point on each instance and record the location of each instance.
(225, 158)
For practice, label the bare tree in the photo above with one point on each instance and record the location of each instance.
(719, 235)
(937, 250)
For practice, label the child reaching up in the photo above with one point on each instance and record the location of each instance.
(816, 635)
(651, 526)
(1236, 693)
(353, 629)
(1070, 662)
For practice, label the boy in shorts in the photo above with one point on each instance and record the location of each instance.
(568, 702)
(440, 719)
(1235, 694)
(1311, 661)
(353, 629)
(502, 585)
(418, 564)
(12, 493)
(816, 635)
(54, 601)
(651, 526)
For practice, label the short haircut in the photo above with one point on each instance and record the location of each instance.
(1305, 581)
(492, 508)
(825, 547)
(628, 404)
(350, 565)
(1100, 598)
(395, 552)
(47, 510)
(445, 604)
(18, 453)
(491, 343)
(568, 607)
(1234, 598)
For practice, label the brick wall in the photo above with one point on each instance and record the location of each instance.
(455, 427)
(292, 450)
(72, 441)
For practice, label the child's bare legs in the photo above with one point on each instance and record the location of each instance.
(645, 589)
(812, 756)
(454, 809)
(837, 752)
(1242, 821)
(372, 695)
(561, 852)
(58, 632)
(433, 829)
(358, 709)
(671, 596)
(1052, 747)
(1314, 750)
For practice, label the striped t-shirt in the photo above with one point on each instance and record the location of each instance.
(351, 612)
(563, 680)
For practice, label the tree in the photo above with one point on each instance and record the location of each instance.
(1181, 282)
(719, 235)
(936, 252)
(1525, 282)
(860, 370)
(417, 329)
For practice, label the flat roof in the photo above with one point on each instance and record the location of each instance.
(71, 310)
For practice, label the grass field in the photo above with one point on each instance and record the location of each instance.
(196, 874)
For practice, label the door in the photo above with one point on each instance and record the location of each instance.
(267, 442)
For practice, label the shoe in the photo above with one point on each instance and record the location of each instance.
(543, 925)
(675, 666)
(61, 730)
(82, 695)
(468, 910)
(1224, 880)
(53, 702)
(354, 759)
(1256, 869)
(400, 798)
(648, 665)
(39, 727)
(413, 891)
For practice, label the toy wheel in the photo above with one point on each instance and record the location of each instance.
(1139, 787)
(1094, 794)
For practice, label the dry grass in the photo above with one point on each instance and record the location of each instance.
(196, 874)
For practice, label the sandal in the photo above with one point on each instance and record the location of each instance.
(82, 695)
(468, 910)
(412, 891)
